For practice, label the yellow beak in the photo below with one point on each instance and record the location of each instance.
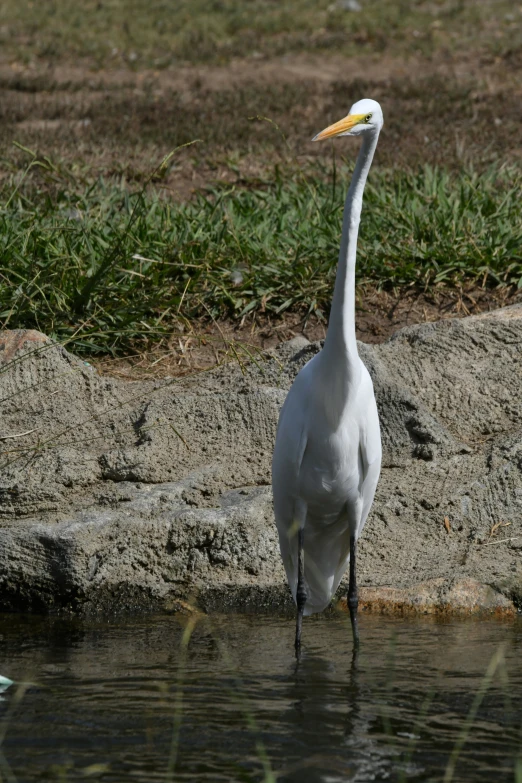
(340, 127)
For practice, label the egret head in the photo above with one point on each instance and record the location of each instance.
(365, 117)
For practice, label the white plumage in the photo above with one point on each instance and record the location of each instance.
(327, 455)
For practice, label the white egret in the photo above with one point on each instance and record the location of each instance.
(327, 456)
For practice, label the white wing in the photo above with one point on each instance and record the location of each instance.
(290, 446)
(371, 456)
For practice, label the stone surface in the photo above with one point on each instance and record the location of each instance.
(118, 495)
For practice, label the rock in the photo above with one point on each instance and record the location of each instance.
(436, 596)
(118, 495)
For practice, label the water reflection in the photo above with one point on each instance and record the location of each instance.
(321, 717)
(109, 693)
(328, 717)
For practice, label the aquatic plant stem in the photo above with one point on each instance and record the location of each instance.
(497, 663)
(178, 703)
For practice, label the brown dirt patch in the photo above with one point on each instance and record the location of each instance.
(379, 315)
(443, 110)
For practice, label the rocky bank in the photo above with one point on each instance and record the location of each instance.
(129, 496)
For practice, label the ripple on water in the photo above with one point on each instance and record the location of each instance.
(108, 693)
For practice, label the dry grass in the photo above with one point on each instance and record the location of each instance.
(441, 112)
(379, 314)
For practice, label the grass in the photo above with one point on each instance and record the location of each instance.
(160, 34)
(90, 259)
(109, 268)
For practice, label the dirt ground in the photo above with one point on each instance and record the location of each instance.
(446, 110)
(379, 315)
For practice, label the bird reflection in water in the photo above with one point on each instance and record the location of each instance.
(324, 711)
(329, 719)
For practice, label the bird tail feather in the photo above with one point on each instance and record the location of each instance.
(326, 558)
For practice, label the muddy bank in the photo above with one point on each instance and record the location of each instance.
(118, 495)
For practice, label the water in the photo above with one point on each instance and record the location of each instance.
(106, 699)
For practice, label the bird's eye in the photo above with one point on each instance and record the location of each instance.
(368, 118)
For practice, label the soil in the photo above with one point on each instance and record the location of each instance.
(379, 315)
(459, 109)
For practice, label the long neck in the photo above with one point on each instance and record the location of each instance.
(340, 343)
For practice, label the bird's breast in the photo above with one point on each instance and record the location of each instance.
(329, 476)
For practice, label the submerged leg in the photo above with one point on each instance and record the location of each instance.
(353, 600)
(301, 594)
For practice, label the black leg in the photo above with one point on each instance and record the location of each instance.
(353, 600)
(301, 594)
